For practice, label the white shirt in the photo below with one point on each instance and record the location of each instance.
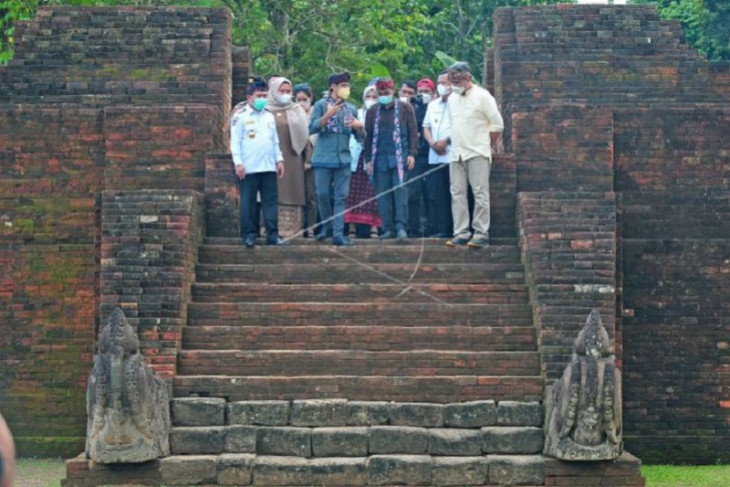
(474, 115)
(254, 141)
(438, 120)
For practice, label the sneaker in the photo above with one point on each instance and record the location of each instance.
(277, 241)
(457, 242)
(478, 243)
(323, 235)
(249, 242)
(401, 234)
(386, 235)
(341, 241)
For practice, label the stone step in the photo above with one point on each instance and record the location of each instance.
(384, 253)
(375, 470)
(496, 293)
(297, 363)
(216, 411)
(441, 389)
(355, 441)
(361, 273)
(372, 314)
(495, 242)
(365, 337)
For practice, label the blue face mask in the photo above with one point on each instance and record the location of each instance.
(385, 99)
(259, 104)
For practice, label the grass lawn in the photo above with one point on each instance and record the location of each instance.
(49, 472)
(682, 476)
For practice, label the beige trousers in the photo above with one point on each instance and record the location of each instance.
(473, 172)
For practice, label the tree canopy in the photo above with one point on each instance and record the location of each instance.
(307, 40)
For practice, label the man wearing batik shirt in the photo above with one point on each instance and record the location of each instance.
(258, 161)
(391, 144)
(476, 126)
(334, 120)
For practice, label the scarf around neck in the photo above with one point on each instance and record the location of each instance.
(396, 138)
(296, 117)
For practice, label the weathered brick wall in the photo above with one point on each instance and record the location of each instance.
(46, 343)
(597, 54)
(611, 99)
(149, 248)
(673, 168)
(96, 98)
(568, 243)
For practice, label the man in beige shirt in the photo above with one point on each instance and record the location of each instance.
(476, 126)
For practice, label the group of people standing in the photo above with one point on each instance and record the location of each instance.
(402, 164)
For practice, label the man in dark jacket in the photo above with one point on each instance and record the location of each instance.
(391, 145)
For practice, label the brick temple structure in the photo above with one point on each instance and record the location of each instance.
(379, 364)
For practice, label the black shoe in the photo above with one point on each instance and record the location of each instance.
(386, 235)
(341, 241)
(249, 242)
(322, 236)
(277, 241)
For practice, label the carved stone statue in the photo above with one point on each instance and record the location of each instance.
(583, 410)
(127, 405)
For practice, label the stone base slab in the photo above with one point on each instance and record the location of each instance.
(374, 470)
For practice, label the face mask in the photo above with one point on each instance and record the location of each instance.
(304, 104)
(459, 90)
(369, 103)
(443, 90)
(426, 97)
(404, 99)
(344, 93)
(283, 99)
(385, 99)
(259, 104)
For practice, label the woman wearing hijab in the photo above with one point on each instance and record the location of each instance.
(304, 96)
(364, 216)
(292, 128)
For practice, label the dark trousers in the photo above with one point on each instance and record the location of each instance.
(339, 179)
(264, 183)
(418, 199)
(310, 202)
(439, 197)
(393, 206)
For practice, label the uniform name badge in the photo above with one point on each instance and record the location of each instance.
(252, 134)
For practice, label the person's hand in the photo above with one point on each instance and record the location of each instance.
(411, 161)
(355, 124)
(332, 110)
(240, 172)
(280, 169)
(440, 146)
(307, 166)
(369, 168)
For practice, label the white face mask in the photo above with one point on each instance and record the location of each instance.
(425, 97)
(443, 90)
(458, 90)
(304, 103)
(404, 99)
(283, 99)
(369, 103)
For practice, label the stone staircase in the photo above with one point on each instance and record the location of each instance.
(380, 364)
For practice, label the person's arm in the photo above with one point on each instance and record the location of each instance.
(236, 151)
(367, 146)
(316, 117)
(278, 156)
(7, 454)
(494, 119)
(412, 130)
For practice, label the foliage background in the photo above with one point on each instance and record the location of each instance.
(307, 40)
